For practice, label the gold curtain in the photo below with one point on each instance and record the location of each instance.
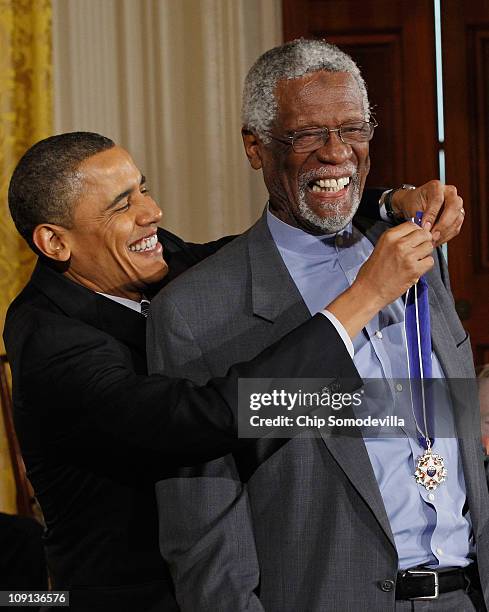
(25, 117)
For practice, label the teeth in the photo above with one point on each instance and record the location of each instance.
(145, 244)
(331, 185)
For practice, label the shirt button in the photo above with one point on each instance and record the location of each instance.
(431, 497)
(378, 333)
(387, 585)
(439, 551)
(399, 387)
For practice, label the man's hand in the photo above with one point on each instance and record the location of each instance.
(443, 212)
(401, 256)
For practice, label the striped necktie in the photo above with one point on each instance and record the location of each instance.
(144, 307)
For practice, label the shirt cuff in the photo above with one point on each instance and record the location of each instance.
(382, 211)
(341, 331)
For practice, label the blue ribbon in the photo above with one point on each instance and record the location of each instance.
(418, 338)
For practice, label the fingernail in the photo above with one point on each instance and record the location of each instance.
(427, 225)
(436, 235)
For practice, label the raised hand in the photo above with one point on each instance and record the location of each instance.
(401, 256)
(443, 211)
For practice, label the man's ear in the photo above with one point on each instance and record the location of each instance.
(252, 147)
(51, 241)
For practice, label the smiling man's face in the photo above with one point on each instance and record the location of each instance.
(112, 243)
(295, 181)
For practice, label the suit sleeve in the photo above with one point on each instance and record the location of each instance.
(71, 377)
(205, 526)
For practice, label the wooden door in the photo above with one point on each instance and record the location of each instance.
(465, 37)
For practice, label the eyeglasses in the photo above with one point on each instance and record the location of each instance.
(307, 141)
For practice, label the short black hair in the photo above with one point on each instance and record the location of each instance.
(45, 184)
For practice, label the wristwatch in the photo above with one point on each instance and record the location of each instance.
(386, 200)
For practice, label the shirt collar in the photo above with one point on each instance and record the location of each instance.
(296, 240)
(123, 301)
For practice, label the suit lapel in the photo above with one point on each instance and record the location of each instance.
(125, 324)
(273, 292)
(350, 453)
(76, 301)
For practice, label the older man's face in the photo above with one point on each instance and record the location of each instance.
(113, 243)
(319, 99)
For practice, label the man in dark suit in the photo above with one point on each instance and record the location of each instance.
(95, 431)
(332, 522)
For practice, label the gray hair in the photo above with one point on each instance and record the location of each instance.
(290, 61)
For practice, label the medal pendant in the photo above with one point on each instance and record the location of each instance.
(430, 470)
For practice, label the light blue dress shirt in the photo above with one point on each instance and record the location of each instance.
(429, 528)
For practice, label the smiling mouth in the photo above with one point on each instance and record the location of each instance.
(144, 245)
(332, 185)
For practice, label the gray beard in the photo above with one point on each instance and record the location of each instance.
(335, 221)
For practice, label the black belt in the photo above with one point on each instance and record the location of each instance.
(425, 583)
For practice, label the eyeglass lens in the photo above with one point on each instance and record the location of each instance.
(350, 133)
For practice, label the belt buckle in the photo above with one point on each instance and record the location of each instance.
(436, 589)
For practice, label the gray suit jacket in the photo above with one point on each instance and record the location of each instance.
(295, 525)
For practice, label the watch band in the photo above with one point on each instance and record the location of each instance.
(386, 200)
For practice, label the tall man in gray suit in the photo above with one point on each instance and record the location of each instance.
(329, 523)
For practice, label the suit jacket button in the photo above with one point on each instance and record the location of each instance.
(387, 585)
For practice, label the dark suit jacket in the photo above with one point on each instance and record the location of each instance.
(96, 433)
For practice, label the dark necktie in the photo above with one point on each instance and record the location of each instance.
(144, 307)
